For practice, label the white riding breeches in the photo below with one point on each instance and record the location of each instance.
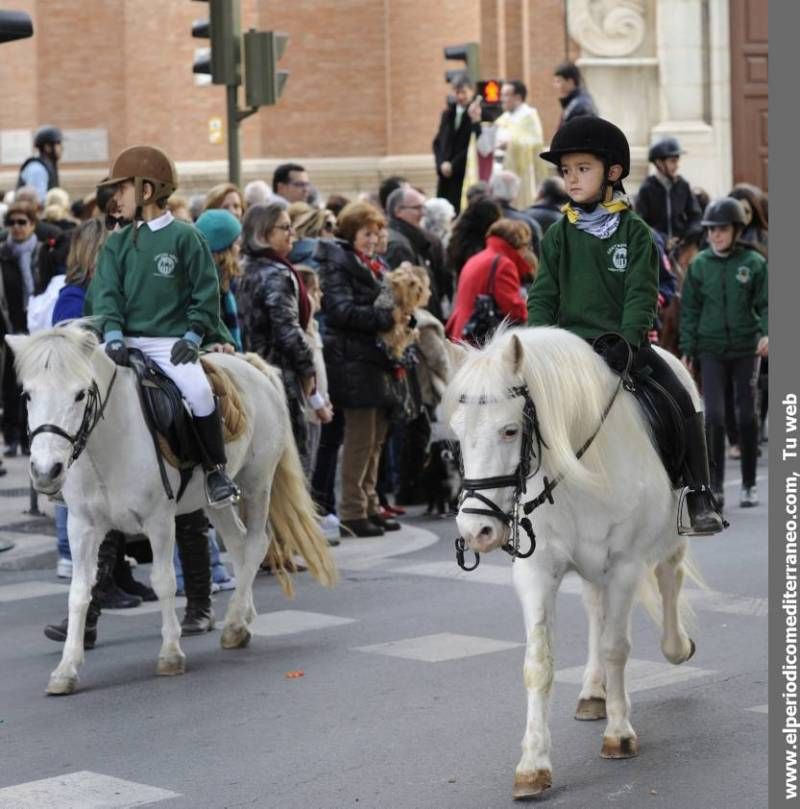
(189, 377)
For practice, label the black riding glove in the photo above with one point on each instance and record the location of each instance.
(186, 350)
(116, 349)
(617, 356)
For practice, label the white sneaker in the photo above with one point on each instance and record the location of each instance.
(330, 526)
(64, 568)
(748, 497)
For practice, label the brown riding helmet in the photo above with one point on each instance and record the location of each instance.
(140, 163)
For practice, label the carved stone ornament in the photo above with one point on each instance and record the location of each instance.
(607, 27)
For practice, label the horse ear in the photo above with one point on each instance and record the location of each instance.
(514, 353)
(16, 342)
(456, 353)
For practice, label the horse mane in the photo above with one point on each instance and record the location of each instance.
(64, 352)
(569, 384)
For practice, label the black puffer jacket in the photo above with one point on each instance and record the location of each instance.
(359, 369)
(267, 298)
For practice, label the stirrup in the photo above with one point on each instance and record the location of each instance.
(231, 498)
(686, 527)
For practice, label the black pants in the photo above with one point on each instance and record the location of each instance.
(743, 373)
(14, 411)
(323, 481)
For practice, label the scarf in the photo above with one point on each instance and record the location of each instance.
(372, 263)
(230, 316)
(303, 303)
(22, 253)
(602, 221)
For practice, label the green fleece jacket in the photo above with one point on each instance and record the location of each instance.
(590, 286)
(724, 304)
(162, 286)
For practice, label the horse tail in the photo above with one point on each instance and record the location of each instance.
(292, 515)
(649, 595)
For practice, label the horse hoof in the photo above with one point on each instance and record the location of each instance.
(235, 637)
(692, 651)
(530, 784)
(590, 709)
(620, 747)
(170, 666)
(61, 686)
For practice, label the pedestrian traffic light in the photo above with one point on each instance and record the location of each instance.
(224, 32)
(263, 81)
(469, 53)
(15, 25)
(490, 92)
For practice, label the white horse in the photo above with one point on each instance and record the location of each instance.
(523, 408)
(75, 390)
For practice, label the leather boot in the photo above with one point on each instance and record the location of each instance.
(106, 591)
(704, 515)
(220, 489)
(58, 632)
(123, 577)
(191, 535)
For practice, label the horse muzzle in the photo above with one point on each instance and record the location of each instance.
(481, 534)
(48, 477)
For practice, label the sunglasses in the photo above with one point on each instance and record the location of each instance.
(18, 223)
(329, 226)
(287, 228)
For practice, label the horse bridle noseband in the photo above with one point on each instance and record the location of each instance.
(517, 480)
(92, 413)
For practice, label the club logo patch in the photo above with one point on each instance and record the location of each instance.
(166, 264)
(743, 275)
(619, 257)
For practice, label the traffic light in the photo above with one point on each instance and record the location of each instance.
(263, 81)
(490, 92)
(224, 32)
(469, 53)
(15, 25)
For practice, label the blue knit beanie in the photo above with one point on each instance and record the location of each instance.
(220, 227)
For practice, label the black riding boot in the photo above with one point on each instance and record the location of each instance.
(191, 535)
(220, 489)
(103, 591)
(715, 436)
(123, 578)
(703, 513)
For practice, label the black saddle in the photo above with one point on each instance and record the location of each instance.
(167, 415)
(666, 423)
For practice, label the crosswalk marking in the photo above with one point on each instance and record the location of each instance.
(82, 790)
(439, 647)
(641, 675)
(146, 607)
(288, 622)
(759, 709)
(31, 589)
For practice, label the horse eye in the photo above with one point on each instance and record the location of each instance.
(81, 396)
(510, 432)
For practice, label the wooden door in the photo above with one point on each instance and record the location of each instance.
(749, 93)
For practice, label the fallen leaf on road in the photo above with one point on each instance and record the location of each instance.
(294, 675)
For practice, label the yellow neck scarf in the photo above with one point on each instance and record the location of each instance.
(615, 206)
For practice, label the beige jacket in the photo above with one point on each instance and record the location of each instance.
(433, 370)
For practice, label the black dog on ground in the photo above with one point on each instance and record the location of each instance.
(441, 478)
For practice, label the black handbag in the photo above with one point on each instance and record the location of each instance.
(486, 315)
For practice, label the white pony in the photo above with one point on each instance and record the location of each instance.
(613, 515)
(79, 395)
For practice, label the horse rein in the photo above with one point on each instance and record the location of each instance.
(92, 413)
(518, 479)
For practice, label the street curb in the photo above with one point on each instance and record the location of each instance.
(29, 553)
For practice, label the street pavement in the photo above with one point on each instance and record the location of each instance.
(411, 694)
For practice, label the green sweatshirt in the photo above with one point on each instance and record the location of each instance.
(163, 286)
(724, 304)
(590, 286)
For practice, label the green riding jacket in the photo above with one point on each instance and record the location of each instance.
(590, 286)
(162, 286)
(724, 304)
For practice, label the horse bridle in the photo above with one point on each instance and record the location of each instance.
(471, 486)
(92, 413)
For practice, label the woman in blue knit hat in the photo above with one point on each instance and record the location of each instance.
(222, 231)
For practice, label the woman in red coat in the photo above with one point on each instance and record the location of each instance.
(508, 239)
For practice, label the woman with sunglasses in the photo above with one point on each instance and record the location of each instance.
(310, 225)
(275, 310)
(19, 257)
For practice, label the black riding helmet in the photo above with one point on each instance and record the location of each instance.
(47, 134)
(724, 211)
(666, 147)
(594, 136)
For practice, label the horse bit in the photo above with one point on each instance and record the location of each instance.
(517, 480)
(92, 413)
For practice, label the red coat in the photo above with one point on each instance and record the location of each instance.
(474, 281)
